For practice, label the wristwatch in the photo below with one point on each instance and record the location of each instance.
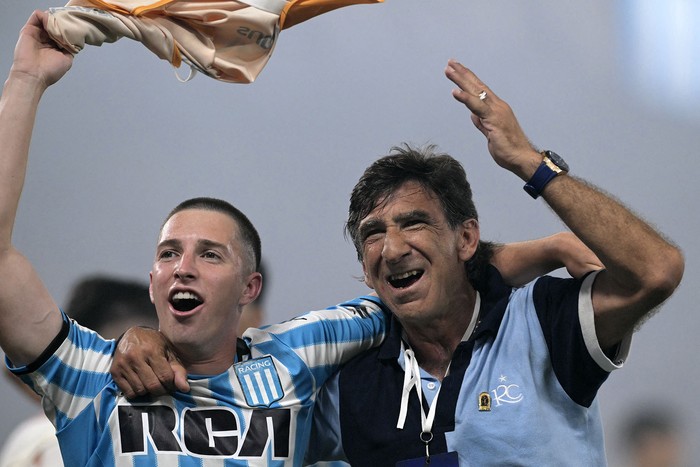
(551, 166)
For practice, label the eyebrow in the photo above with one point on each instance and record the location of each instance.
(171, 242)
(204, 243)
(211, 244)
(416, 214)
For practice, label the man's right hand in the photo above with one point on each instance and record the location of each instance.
(37, 56)
(144, 363)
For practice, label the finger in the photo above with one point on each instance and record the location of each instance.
(180, 377)
(38, 21)
(41, 17)
(479, 124)
(155, 381)
(471, 91)
(126, 378)
(138, 378)
(124, 385)
(179, 372)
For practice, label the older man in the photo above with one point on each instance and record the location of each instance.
(473, 372)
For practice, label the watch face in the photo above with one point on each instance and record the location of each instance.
(558, 161)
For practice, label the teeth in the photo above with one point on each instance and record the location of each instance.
(404, 275)
(185, 296)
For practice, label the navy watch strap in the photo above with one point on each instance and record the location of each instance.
(542, 176)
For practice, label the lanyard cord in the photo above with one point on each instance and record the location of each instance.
(412, 379)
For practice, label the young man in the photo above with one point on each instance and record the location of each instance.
(249, 404)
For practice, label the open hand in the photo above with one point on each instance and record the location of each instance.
(507, 142)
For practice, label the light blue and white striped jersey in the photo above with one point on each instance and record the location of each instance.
(256, 413)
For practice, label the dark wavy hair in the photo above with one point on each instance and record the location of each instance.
(437, 172)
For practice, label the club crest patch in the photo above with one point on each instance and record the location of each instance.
(260, 381)
(484, 402)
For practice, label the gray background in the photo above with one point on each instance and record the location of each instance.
(119, 141)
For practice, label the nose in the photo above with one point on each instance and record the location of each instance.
(186, 268)
(395, 246)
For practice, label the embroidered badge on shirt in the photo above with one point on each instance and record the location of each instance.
(260, 381)
(506, 393)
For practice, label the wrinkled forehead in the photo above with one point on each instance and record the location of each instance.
(406, 197)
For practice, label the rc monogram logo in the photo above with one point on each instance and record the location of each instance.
(506, 393)
(260, 381)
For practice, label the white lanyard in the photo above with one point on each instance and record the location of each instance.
(412, 379)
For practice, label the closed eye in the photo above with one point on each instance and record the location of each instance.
(371, 230)
(372, 236)
(413, 223)
(415, 220)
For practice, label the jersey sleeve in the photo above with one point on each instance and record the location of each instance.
(325, 339)
(70, 373)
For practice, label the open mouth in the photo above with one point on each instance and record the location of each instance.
(405, 279)
(185, 301)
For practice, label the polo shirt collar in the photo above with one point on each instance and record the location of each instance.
(494, 299)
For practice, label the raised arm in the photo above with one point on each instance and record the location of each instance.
(642, 268)
(29, 318)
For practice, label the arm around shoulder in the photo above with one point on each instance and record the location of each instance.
(522, 262)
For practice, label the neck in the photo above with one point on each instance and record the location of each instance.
(197, 362)
(435, 342)
(433, 357)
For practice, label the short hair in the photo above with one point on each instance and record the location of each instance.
(96, 301)
(249, 235)
(437, 172)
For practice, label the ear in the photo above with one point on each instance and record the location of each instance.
(468, 241)
(150, 286)
(253, 287)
